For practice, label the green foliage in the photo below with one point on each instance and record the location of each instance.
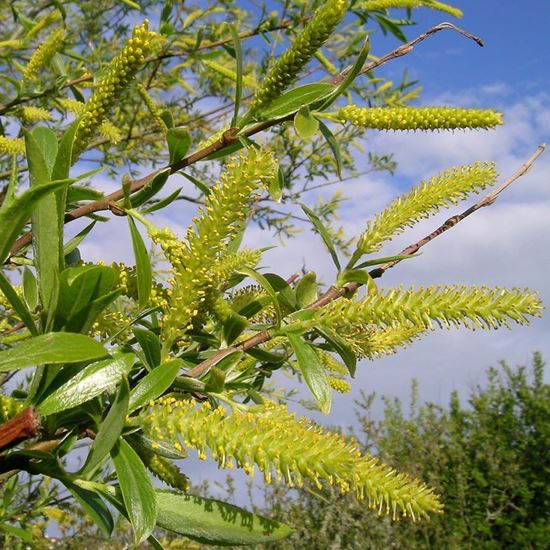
(138, 367)
(488, 459)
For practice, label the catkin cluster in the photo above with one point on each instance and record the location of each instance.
(120, 72)
(285, 70)
(419, 118)
(192, 260)
(43, 54)
(288, 448)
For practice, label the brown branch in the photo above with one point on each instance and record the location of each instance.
(333, 293)
(23, 426)
(229, 137)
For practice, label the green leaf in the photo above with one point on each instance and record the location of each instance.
(277, 185)
(205, 190)
(179, 141)
(293, 100)
(17, 304)
(18, 532)
(151, 189)
(83, 292)
(341, 347)
(143, 265)
(71, 245)
(150, 345)
(305, 124)
(306, 290)
(266, 285)
(325, 235)
(350, 76)
(239, 67)
(90, 382)
(93, 505)
(353, 275)
(154, 384)
(137, 490)
(41, 147)
(163, 202)
(63, 159)
(46, 141)
(76, 193)
(109, 430)
(210, 521)
(30, 289)
(15, 214)
(51, 348)
(313, 372)
(334, 146)
(386, 259)
(215, 381)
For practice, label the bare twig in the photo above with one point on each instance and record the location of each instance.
(404, 49)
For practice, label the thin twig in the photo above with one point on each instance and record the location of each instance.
(404, 49)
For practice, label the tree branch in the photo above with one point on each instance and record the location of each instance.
(333, 293)
(229, 137)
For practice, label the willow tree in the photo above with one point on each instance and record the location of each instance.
(141, 369)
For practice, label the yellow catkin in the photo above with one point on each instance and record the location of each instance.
(35, 114)
(152, 108)
(339, 385)
(287, 67)
(43, 54)
(420, 118)
(109, 131)
(286, 448)
(11, 146)
(9, 407)
(409, 4)
(119, 74)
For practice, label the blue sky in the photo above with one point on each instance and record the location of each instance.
(506, 244)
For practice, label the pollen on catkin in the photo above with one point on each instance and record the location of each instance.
(43, 54)
(419, 118)
(11, 146)
(35, 114)
(120, 72)
(226, 206)
(287, 67)
(286, 448)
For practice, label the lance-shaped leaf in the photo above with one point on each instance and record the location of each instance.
(52, 348)
(17, 304)
(210, 521)
(143, 265)
(88, 383)
(154, 384)
(137, 490)
(313, 372)
(15, 214)
(109, 430)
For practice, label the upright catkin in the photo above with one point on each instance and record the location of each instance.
(120, 72)
(286, 69)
